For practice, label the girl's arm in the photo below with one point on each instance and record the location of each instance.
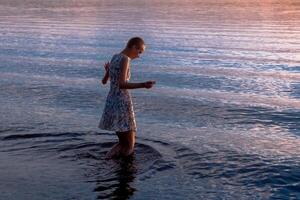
(123, 84)
(106, 75)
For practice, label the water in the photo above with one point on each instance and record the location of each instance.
(222, 122)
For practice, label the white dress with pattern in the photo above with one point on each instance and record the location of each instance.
(118, 114)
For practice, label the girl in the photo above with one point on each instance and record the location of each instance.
(118, 114)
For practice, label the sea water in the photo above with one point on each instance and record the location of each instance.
(222, 122)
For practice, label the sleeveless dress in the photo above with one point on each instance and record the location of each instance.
(118, 114)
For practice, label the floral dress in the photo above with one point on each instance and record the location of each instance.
(118, 114)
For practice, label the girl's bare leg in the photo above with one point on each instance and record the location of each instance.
(124, 147)
(114, 152)
(128, 143)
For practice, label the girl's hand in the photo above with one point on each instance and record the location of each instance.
(149, 84)
(106, 75)
(106, 66)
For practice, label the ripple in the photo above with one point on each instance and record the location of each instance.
(241, 98)
(36, 135)
(154, 159)
(236, 72)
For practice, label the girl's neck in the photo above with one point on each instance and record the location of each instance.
(126, 52)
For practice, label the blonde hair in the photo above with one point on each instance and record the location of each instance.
(135, 41)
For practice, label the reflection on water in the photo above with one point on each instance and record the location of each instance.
(221, 123)
(121, 188)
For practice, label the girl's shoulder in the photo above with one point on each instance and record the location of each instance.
(114, 57)
(117, 56)
(117, 60)
(120, 57)
(125, 57)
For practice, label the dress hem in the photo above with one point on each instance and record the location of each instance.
(117, 130)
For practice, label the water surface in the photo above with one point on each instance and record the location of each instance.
(222, 122)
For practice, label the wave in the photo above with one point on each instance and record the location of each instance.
(51, 79)
(158, 160)
(248, 99)
(214, 71)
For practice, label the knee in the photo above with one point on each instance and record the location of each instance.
(127, 148)
(128, 151)
(128, 143)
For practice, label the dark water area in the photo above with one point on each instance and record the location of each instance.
(222, 122)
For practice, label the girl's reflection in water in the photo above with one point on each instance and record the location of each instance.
(119, 185)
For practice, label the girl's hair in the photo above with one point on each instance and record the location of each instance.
(135, 41)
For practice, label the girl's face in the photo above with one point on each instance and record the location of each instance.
(138, 50)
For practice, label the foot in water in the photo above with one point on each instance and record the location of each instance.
(118, 151)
